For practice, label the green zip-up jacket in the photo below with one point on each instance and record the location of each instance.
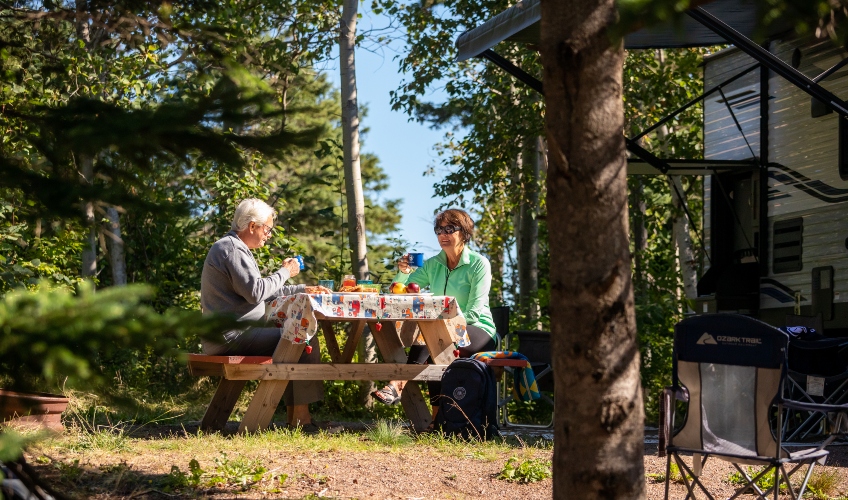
(469, 282)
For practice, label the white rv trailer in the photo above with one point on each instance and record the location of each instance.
(776, 174)
(802, 191)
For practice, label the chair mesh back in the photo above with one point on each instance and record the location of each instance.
(727, 408)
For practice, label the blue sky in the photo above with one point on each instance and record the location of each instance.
(405, 149)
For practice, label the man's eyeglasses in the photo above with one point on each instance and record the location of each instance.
(267, 229)
(446, 229)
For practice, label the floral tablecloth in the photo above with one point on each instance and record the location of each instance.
(295, 314)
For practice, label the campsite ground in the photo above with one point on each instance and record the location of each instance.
(381, 461)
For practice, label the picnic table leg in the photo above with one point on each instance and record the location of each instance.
(353, 336)
(439, 341)
(412, 400)
(222, 405)
(267, 397)
(330, 338)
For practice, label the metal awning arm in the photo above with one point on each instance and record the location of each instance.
(694, 101)
(513, 70)
(769, 60)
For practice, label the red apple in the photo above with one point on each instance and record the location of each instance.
(413, 288)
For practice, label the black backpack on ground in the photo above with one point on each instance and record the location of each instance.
(468, 402)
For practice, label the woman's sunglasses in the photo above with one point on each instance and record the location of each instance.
(446, 229)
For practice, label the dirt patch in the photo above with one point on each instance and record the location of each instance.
(346, 466)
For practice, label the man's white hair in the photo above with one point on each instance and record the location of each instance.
(251, 210)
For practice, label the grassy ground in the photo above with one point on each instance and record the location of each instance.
(381, 460)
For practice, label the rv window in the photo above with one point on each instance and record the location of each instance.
(843, 148)
(787, 246)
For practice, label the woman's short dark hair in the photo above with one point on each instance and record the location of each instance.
(457, 217)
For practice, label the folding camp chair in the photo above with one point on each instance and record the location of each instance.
(536, 345)
(817, 373)
(730, 369)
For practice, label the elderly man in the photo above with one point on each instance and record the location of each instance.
(231, 284)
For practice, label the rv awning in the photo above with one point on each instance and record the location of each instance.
(636, 166)
(520, 23)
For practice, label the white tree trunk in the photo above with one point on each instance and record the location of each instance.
(685, 254)
(680, 228)
(353, 175)
(350, 133)
(117, 260)
(89, 249)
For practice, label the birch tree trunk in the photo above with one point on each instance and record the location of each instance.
(680, 226)
(117, 260)
(528, 232)
(640, 232)
(89, 249)
(353, 174)
(86, 166)
(598, 444)
(350, 132)
(683, 240)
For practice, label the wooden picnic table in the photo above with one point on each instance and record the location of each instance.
(300, 316)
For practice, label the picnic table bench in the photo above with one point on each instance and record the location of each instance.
(437, 319)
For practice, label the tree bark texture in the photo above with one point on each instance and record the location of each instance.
(353, 174)
(116, 248)
(598, 444)
(528, 231)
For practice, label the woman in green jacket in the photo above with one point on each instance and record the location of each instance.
(459, 272)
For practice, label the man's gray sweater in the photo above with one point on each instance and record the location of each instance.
(231, 283)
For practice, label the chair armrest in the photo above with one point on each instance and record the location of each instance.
(667, 398)
(837, 415)
(807, 406)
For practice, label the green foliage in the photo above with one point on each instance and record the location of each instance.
(12, 443)
(764, 483)
(177, 479)
(50, 333)
(674, 473)
(525, 471)
(823, 483)
(388, 433)
(657, 81)
(69, 472)
(197, 111)
(237, 471)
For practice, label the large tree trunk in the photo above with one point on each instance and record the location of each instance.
(116, 248)
(353, 175)
(598, 443)
(528, 232)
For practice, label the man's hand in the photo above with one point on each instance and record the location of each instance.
(293, 266)
(318, 289)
